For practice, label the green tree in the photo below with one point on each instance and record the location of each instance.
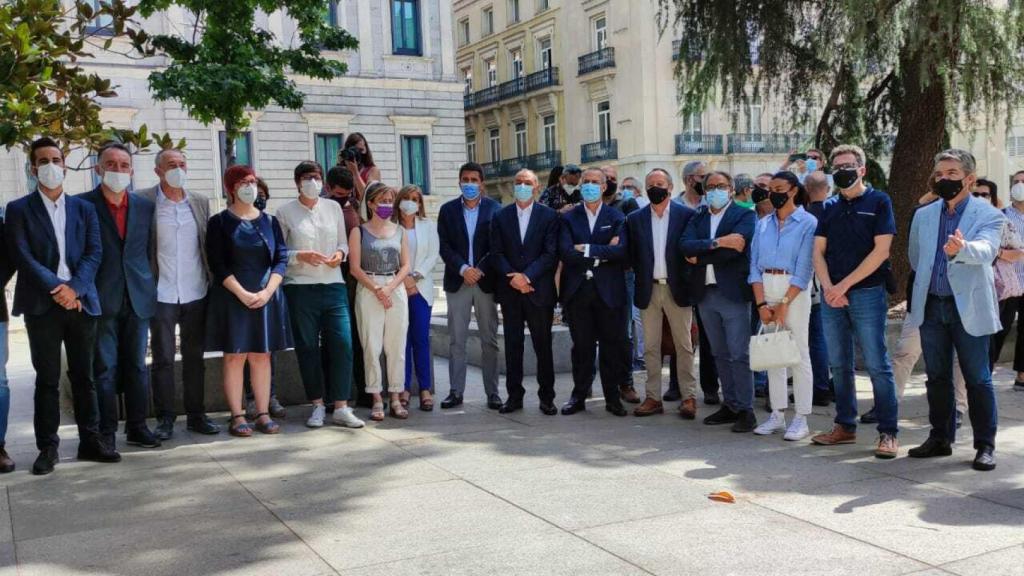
(913, 68)
(227, 64)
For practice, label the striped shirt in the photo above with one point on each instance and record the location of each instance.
(948, 223)
(1016, 218)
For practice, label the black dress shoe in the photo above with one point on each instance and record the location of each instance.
(494, 402)
(510, 406)
(573, 406)
(97, 451)
(548, 408)
(760, 392)
(45, 462)
(142, 438)
(985, 461)
(745, 422)
(615, 409)
(821, 398)
(869, 417)
(165, 429)
(931, 448)
(712, 399)
(672, 395)
(725, 415)
(203, 425)
(451, 401)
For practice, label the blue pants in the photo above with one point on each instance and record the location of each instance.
(121, 355)
(727, 325)
(5, 392)
(942, 333)
(417, 344)
(862, 322)
(819, 351)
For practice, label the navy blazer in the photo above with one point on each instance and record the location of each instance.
(731, 267)
(126, 266)
(641, 253)
(454, 237)
(610, 274)
(33, 249)
(219, 243)
(536, 257)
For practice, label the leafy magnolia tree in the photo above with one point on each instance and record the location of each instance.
(226, 64)
(43, 88)
(859, 71)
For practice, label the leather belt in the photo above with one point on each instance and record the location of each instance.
(662, 281)
(778, 271)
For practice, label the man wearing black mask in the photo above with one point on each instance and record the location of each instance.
(693, 183)
(759, 196)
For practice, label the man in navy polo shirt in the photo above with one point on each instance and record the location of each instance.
(851, 256)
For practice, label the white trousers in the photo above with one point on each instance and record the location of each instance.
(383, 330)
(798, 321)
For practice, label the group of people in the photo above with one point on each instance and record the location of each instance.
(343, 274)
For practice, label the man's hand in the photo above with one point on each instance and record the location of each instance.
(311, 257)
(65, 296)
(471, 276)
(835, 294)
(565, 209)
(335, 260)
(520, 282)
(614, 242)
(955, 244)
(581, 248)
(733, 241)
(692, 260)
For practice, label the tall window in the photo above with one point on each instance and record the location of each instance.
(243, 150)
(692, 125)
(405, 27)
(492, 72)
(513, 11)
(515, 58)
(487, 24)
(600, 33)
(471, 148)
(542, 5)
(544, 52)
(100, 25)
(330, 12)
(463, 32)
(520, 139)
(415, 162)
(754, 117)
(604, 121)
(467, 79)
(495, 145)
(550, 134)
(327, 147)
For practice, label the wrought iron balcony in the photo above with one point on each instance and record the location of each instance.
(699, 144)
(754, 143)
(541, 162)
(511, 89)
(694, 55)
(598, 151)
(603, 58)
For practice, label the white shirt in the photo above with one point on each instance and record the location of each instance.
(524, 220)
(592, 220)
(59, 218)
(410, 240)
(659, 234)
(716, 219)
(321, 228)
(182, 277)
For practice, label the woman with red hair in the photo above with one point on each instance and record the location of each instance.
(248, 314)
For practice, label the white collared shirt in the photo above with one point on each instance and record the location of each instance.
(59, 218)
(659, 235)
(524, 220)
(592, 217)
(178, 257)
(320, 228)
(716, 219)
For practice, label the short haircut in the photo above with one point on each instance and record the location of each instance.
(848, 149)
(764, 174)
(992, 188)
(262, 188)
(1014, 175)
(530, 172)
(965, 158)
(604, 178)
(722, 173)
(471, 167)
(307, 167)
(39, 144)
(570, 169)
(373, 193)
(112, 146)
(744, 182)
(816, 180)
(163, 152)
(662, 170)
(340, 177)
(635, 181)
(406, 193)
(692, 167)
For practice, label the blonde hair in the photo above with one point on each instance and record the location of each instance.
(375, 191)
(848, 149)
(404, 194)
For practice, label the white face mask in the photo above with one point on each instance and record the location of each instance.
(408, 207)
(247, 194)
(176, 177)
(311, 188)
(51, 176)
(1016, 192)
(117, 181)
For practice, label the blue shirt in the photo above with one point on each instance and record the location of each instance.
(850, 227)
(471, 215)
(948, 223)
(790, 249)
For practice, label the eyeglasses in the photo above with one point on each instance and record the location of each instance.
(846, 167)
(981, 195)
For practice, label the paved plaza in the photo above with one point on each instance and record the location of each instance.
(474, 492)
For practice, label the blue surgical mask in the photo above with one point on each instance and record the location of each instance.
(718, 197)
(470, 190)
(627, 194)
(591, 192)
(523, 192)
(811, 165)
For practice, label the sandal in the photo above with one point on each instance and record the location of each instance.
(268, 427)
(243, 430)
(398, 411)
(377, 412)
(426, 404)
(404, 399)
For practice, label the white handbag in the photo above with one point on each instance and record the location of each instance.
(775, 349)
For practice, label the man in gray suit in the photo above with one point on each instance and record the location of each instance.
(178, 255)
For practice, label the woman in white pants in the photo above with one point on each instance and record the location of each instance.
(781, 268)
(379, 261)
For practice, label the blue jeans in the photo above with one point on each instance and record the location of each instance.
(941, 333)
(417, 344)
(634, 326)
(819, 351)
(863, 322)
(727, 325)
(5, 392)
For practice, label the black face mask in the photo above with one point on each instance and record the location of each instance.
(947, 189)
(657, 194)
(778, 199)
(613, 185)
(698, 187)
(845, 178)
(759, 194)
(260, 203)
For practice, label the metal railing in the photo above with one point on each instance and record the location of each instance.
(598, 151)
(699, 144)
(511, 89)
(755, 143)
(694, 54)
(603, 58)
(540, 162)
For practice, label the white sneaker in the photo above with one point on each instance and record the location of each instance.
(316, 419)
(775, 423)
(346, 417)
(797, 429)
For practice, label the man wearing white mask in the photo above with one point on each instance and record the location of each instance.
(178, 257)
(127, 293)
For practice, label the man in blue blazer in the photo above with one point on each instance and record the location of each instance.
(953, 244)
(717, 242)
(54, 242)
(592, 246)
(463, 228)
(127, 290)
(661, 291)
(524, 252)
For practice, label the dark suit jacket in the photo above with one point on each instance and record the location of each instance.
(609, 275)
(454, 237)
(125, 266)
(33, 250)
(731, 267)
(536, 257)
(6, 271)
(641, 252)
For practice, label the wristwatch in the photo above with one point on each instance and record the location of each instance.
(714, 244)
(785, 300)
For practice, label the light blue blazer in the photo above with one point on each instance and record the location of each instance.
(970, 271)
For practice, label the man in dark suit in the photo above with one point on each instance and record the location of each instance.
(661, 275)
(463, 228)
(524, 251)
(54, 241)
(127, 291)
(6, 271)
(716, 242)
(592, 246)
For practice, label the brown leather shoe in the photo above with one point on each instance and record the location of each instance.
(888, 447)
(6, 464)
(688, 409)
(649, 407)
(628, 394)
(838, 435)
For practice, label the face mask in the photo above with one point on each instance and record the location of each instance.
(613, 185)
(51, 175)
(657, 194)
(811, 165)
(384, 212)
(116, 181)
(408, 207)
(311, 188)
(698, 187)
(591, 192)
(718, 197)
(845, 178)
(470, 190)
(627, 193)
(759, 194)
(568, 189)
(1017, 192)
(247, 194)
(260, 204)
(523, 192)
(778, 199)
(176, 177)
(947, 189)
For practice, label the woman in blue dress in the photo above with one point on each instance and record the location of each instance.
(248, 316)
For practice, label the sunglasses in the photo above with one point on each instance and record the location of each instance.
(981, 195)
